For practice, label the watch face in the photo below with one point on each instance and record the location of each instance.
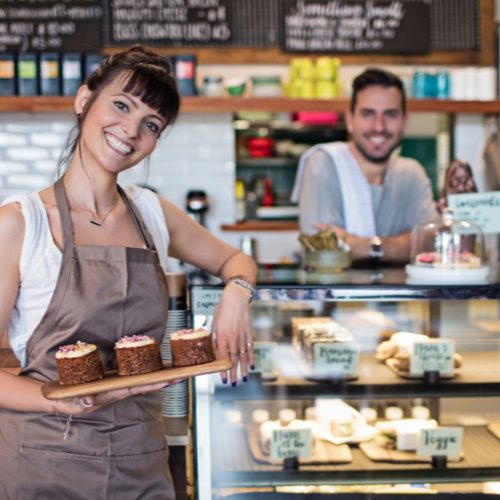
(376, 252)
(376, 249)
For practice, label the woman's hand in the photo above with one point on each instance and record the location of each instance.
(88, 404)
(232, 332)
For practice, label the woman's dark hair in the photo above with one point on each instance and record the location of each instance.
(149, 76)
(380, 77)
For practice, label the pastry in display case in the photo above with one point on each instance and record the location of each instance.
(421, 415)
(447, 251)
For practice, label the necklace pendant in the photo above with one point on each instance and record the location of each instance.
(95, 222)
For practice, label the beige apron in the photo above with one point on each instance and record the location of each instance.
(116, 452)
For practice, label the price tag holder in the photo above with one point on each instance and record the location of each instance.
(291, 443)
(339, 359)
(441, 442)
(264, 358)
(204, 301)
(434, 355)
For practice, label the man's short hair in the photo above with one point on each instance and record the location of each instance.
(380, 77)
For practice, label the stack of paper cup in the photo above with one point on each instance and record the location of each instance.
(485, 84)
(473, 84)
(175, 398)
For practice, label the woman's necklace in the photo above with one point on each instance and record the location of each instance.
(93, 219)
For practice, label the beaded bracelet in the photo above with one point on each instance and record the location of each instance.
(243, 283)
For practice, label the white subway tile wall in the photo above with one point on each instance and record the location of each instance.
(197, 153)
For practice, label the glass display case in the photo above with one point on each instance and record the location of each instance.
(364, 383)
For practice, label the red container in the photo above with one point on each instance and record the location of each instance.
(260, 147)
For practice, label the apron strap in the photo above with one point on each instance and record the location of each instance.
(138, 220)
(63, 207)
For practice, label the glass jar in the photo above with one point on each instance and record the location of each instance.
(266, 86)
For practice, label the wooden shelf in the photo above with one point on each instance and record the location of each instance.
(261, 225)
(200, 104)
(285, 104)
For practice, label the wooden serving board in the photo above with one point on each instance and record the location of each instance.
(378, 453)
(54, 390)
(322, 452)
(391, 363)
(494, 428)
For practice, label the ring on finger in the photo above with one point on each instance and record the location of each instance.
(85, 404)
(249, 344)
(243, 351)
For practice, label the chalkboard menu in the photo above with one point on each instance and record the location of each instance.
(356, 26)
(169, 22)
(56, 25)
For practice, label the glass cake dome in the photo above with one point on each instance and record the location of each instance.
(447, 250)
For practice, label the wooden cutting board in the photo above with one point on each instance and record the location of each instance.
(494, 428)
(54, 390)
(378, 453)
(392, 364)
(322, 452)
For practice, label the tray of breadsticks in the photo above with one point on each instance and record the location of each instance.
(397, 353)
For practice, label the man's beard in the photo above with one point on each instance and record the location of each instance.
(376, 159)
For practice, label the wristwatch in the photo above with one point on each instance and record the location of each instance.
(376, 248)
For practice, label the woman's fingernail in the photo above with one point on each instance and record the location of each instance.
(245, 379)
(252, 367)
(233, 384)
(224, 380)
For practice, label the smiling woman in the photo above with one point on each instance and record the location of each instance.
(84, 260)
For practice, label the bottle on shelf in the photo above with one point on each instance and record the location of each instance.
(50, 83)
(7, 74)
(27, 74)
(239, 194)
(71, 72)
(269, 198)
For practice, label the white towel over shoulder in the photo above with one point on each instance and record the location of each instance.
(356, 193)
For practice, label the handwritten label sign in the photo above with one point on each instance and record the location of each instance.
(442, 441)
(480, 208)
(289, 443)
(264, 358)
(336, 358)
(204, 301)
(381, 26)
(70, 25)
(172, 22)
(432, 356)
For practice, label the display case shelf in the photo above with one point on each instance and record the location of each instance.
(479, 376)
(480, 463)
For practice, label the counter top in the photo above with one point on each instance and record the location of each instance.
(289, 282)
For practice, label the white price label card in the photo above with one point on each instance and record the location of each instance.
(264, 358)
(336, 358)
(481, 208)
(289, 443)
(204, 301)
(441, 441)
(434, 355)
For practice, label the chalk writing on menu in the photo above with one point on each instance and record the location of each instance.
(174, 22)
(352, 26)
(36, 25)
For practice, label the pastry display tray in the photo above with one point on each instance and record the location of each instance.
(112, 381)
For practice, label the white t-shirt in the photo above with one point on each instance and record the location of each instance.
(41, 259)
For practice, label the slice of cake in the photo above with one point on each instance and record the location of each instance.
(78, 363)
(191, 347)
(137, 354)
